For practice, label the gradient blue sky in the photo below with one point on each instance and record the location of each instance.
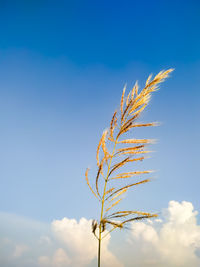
(63, 65)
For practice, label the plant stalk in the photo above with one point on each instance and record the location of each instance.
(99, 248)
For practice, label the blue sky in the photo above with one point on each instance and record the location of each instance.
(62, 70)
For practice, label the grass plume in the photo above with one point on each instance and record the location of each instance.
(115, 159)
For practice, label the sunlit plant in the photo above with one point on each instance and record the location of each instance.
(114, 152)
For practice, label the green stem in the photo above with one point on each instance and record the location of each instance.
(99, 249)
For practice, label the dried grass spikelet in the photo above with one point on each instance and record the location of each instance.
(134, 90)
(137, 141)
(125, 112)
(148, 79)
(127, 186)
(115, 224)
(87, 180)
(140, 218)
(118, 194)
(136, 159)
(97, 177)
(153, 84)
(114, 204)
(122, 100)
(130, 174)
(118, 165)
(127, 99)
(161, 76)
(98, 149)
(140, 110)
(121, 176)
(126, 126)
(145, 124)
(102, 143)
(112, 126)
(141, 103)
(109, 191)
(131, 153)
(129, 148)
(94, 226)
(125, 213)
(114, 145)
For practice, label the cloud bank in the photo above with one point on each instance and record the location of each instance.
(80, 243)
(173, 241)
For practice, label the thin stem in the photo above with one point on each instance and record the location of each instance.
(99, 249)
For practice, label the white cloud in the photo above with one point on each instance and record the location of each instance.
(45, 240)
(20, 250)
(44, 261)
(173, 242)
(77, 237)
(65, 242)
(59, 259)
(81, 243)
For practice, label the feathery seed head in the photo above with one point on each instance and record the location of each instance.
(131, 106)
